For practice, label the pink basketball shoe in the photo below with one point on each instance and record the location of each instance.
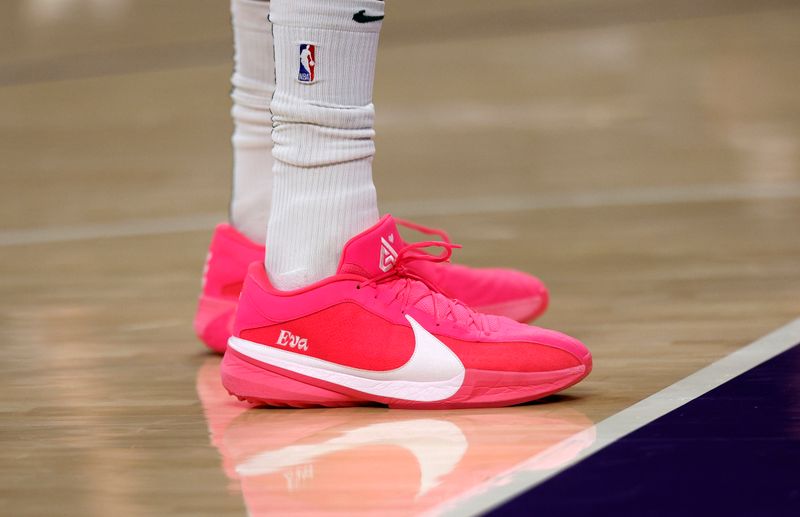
(228, 257)
(376, 332)
(499, 291)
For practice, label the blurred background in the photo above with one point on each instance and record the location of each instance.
(524, 97)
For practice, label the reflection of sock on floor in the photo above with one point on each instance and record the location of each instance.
(323, 133)
(253, 83)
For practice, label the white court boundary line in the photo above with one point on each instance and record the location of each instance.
(126, 228)
(428, 207)
(502, 488)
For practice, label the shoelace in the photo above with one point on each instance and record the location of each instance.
(404, 283)
(423, 229)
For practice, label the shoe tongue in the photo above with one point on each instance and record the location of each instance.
(373, 251)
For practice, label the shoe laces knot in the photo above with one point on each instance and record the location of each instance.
(405, 284)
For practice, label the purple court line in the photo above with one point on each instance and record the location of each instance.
(502, 488)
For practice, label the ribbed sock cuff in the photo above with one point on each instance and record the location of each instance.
(352, 15)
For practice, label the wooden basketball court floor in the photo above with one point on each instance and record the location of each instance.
(642, 157)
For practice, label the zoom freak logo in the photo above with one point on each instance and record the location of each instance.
(286, 338)
(388, 254)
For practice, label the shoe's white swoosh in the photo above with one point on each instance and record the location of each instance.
(434, 372)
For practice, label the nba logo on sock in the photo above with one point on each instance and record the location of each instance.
(308, 57)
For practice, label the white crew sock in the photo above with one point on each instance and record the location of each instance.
(323, 132)
(253, 83)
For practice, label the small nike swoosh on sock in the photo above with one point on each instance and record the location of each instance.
(362, 17)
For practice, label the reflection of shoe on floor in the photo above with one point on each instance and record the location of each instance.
(221, 409)
(218, 406)
(378, 332)
(500, 291)
(412, 461)
(437, 445)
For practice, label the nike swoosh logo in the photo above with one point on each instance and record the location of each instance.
(434, 372)
(362, 17)
(438, 446)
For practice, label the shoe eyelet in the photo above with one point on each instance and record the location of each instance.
(358, 287)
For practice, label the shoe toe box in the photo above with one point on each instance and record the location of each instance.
(524, 348)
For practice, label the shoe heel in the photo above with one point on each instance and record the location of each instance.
(267, 388)
(213, 322)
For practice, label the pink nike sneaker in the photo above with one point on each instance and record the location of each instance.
(226, 265)
(376, 332)
(499, 291)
